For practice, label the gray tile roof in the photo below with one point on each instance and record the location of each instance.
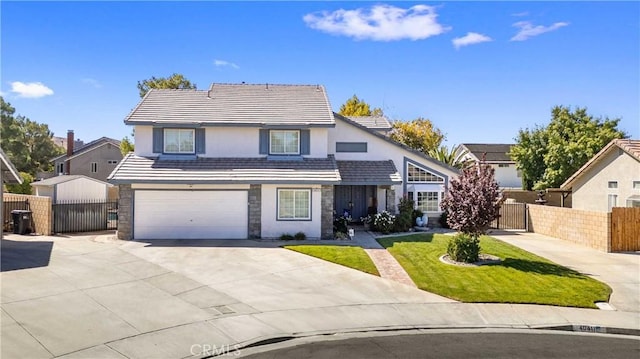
(372, 122)
(495, 152)
(135, 169)
(369, 172)
(89, 146)
(236, 104)
(9, 172)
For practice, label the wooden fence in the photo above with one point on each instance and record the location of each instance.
(625, 229)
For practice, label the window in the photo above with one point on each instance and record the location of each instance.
(417, 174)
(428, 201)
(112, 162)
(284, 142)
(94, 167)
(636, 184)
(613, 201)
(179, 140)
(294, 204)
(351, 147)
(613, 184)
(503, 165)
(61, 168)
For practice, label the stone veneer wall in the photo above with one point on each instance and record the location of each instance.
(255, 211)
(591, 229)
(326, 224)
(125, 212)
(391, 201)
(40, 211)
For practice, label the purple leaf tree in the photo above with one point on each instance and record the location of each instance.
(473, 200)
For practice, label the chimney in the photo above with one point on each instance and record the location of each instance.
(70, 143)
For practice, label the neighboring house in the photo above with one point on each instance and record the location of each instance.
(378, 123)
(609, 179)
(258, 161)
(72, 188)
(95, 159)
(496, 155)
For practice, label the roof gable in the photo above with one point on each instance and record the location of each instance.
(398, 144)
(236, 104)
(9, 172)
(88, 147)
(64, 178)
(628, 146)
(492, 152)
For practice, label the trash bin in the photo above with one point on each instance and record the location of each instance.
(21, 221)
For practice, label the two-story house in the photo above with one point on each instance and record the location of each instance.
(257, 161)
(96, 159)
(497, 156)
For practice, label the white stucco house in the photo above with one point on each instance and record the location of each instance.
(611, 178)
(72, 188)
(258, 161)
(497, 156)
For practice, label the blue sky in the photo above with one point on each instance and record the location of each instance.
(480, 71)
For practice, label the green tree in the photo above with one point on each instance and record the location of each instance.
(419, 134)
(454, 156)
(357, 107)
(24, 187)
(28, 144)
(175, 81)
(126, 146)
(547, 156)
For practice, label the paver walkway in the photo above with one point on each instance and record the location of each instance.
(387, 265)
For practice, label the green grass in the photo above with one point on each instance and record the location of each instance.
(352, 257)
(522, 277)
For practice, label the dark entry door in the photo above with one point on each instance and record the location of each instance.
(352, 199)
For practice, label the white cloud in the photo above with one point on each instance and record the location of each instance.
(380, 23)
(527, 29)
(222, 63)
(30, 89)
(469, 39)
(92, 82)
(521, 14)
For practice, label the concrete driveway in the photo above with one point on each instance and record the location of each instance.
(96, 297)
(73, 295)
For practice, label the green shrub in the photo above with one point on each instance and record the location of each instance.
(340, 225)
(286, 237)
(404, 220)
(443, 220)
(300, 236)
(464, 248)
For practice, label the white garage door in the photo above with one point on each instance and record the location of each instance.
(190, 214)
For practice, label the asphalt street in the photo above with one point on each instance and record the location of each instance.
(463, 345)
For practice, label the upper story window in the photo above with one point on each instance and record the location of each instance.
(417, 174)
(284, 142)
(612, 184)
(177, 140)
(60, 168)
(636, 184)
(94, 167)
(112, 162)
(281, 142)
(503, 165)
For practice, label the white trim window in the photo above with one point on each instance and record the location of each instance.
(179, 140)
(428, 201)
(284, 142)
(94, 167)
(417, 174)
(613, 201)
(294, 204)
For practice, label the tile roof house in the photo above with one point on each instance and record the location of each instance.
(611, 178)
(258, 161)
(95, 159)
(496, 155)
(378, 123)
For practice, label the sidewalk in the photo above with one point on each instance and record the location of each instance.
(387, 265)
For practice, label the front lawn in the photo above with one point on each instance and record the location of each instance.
(352, 257)
(522, 277)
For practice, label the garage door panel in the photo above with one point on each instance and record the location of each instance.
(190, 214)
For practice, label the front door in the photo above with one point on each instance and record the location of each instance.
(353, 199)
